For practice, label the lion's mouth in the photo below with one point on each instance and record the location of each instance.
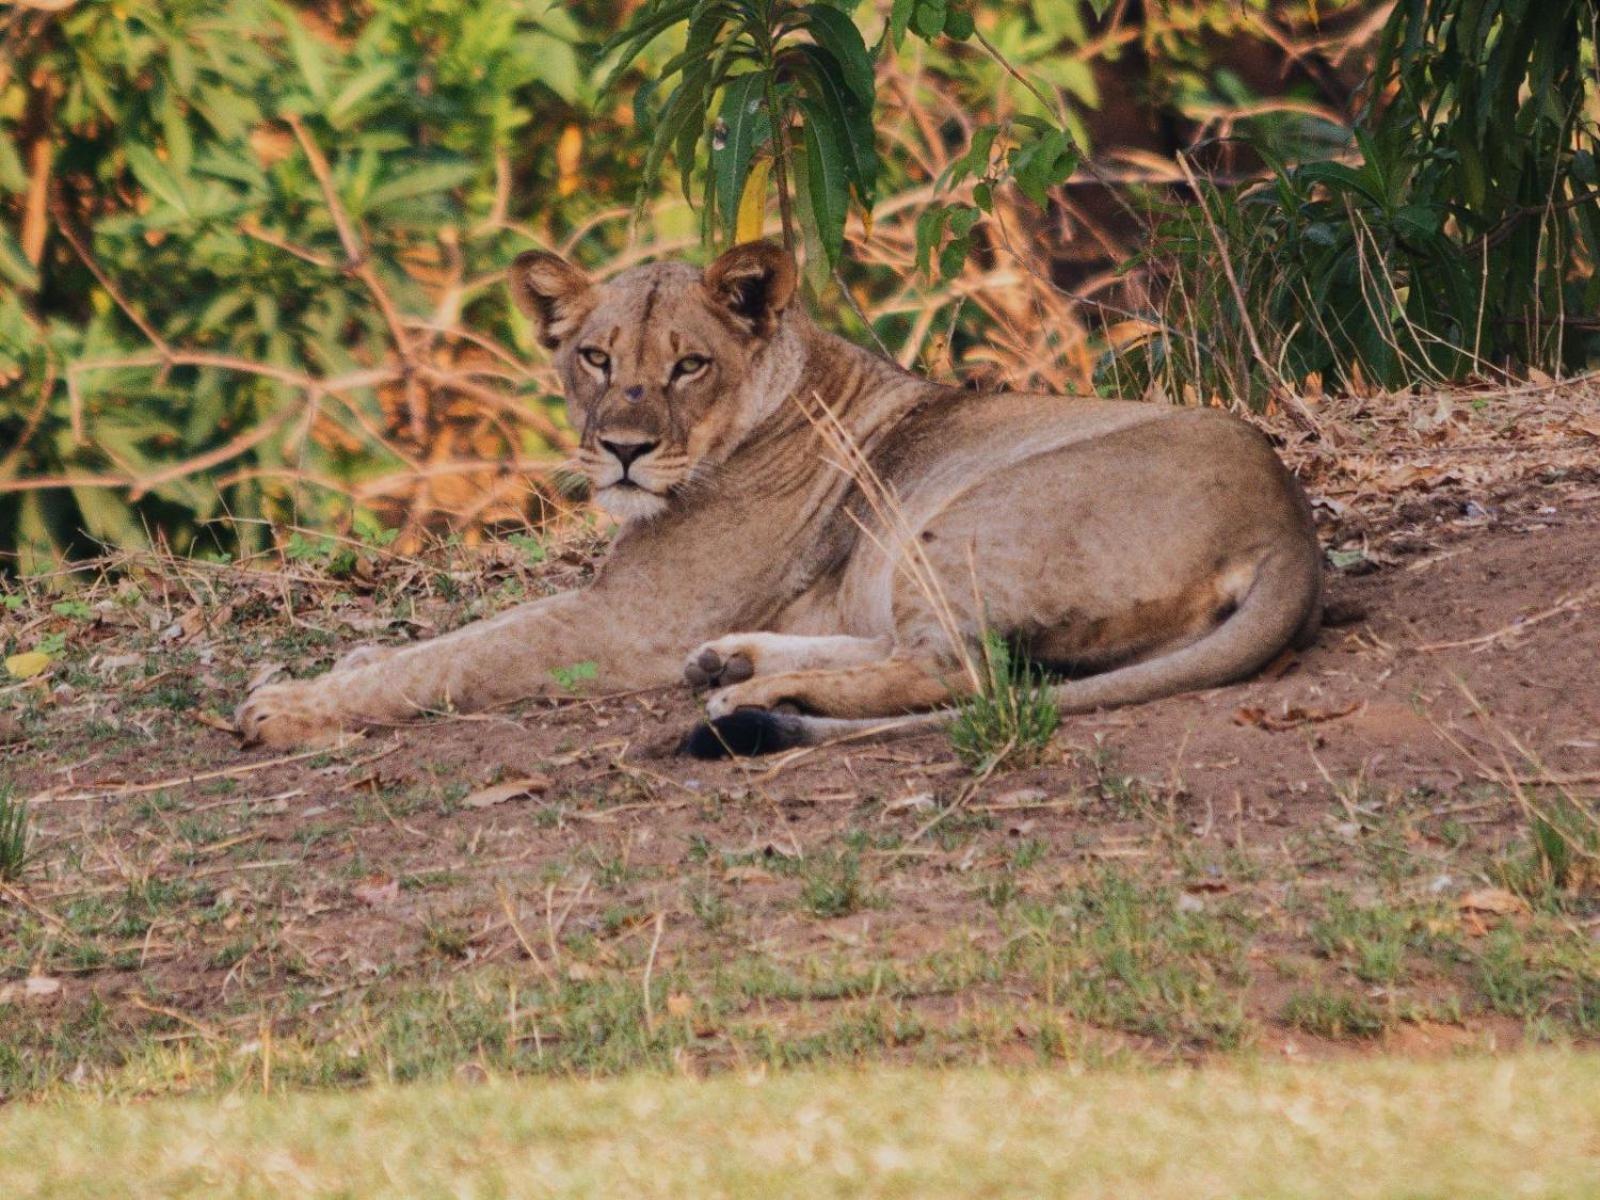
(629, 501)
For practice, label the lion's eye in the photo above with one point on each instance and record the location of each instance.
(598, 359)
(689, 364)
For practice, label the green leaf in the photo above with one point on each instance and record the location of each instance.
(928, 17)
(364, 84)
(1043, 164)
(837, 33)
(559, 69)
(157, 178)
(421, 181)
(930, 231)
(899, 20)
(308, 55)
(827, 189)
(644, 110)
(958, 221)
(958, 24)
(953, 257)
(680, 114)
(745, 127)
(1340, 179)
(976, 160)
(13, 175)
(14, 266)
(649, 23)
(847, 124)
(571, 676)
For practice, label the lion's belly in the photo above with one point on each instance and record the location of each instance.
(1093, 545)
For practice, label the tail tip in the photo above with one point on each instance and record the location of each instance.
(744, 733)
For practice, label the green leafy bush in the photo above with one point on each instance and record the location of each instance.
(1459, 240)
(253, 250)
(250, 253)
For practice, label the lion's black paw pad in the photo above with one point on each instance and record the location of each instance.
(744, 733)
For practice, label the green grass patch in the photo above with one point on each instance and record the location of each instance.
(16, 837)
(1333, 1014)
(1012, 717)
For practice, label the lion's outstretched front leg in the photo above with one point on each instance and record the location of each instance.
(513, 656)
(888, 687)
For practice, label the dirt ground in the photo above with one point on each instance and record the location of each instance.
(1387, 841)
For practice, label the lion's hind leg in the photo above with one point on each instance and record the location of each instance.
(737, 657)
(795, 708)
(888, 687)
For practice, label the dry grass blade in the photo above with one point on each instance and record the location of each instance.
(895, 538)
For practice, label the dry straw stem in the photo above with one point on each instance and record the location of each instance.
(1291, 403)
(120, 791)
(1517, 783)
(899, 540)
(1565, 604)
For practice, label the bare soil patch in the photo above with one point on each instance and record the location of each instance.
(1340, 855)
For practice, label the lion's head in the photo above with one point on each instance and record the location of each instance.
(666, 367)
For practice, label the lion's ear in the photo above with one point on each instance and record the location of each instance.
(553, 293)
(754, 282)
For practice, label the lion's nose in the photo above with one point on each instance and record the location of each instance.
(628, 453)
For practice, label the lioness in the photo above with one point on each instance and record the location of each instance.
(820, 537)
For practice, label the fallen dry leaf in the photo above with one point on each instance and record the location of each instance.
(110, 664)
(920, 800)
(744, 873)
(27, 665)
(1588, 426)
(196, 621)
(499, 793)
(1492, 900)
(214, 721)
(1019, 798)
(1281, 666)
(1291, 716)
(679, 1005)
(40, 987)
(377, 890)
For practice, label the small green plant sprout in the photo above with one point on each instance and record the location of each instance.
(16, 837)
(532, 548)
(1322, 1012)
(833, 886)
(570, 677)
(1013, 715)
(1563, 858)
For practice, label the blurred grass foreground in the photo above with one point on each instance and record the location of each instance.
(251, 252)
(1467, 1130)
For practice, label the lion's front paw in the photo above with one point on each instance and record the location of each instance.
(719, 664)
(286, 714)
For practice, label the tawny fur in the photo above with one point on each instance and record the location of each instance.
(1143, 550)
